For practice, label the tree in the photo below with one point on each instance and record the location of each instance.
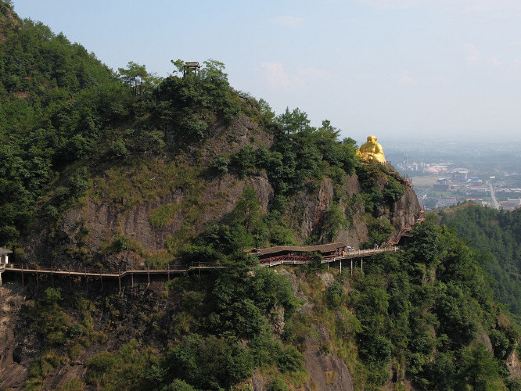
(333, 221)
(137, 77)
(480, 370)
(295, 121)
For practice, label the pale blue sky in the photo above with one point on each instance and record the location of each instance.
(391, 67)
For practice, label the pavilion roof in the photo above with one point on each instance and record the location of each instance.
(4, 251)
(321, 248)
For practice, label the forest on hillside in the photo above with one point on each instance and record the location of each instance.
(495, 237)
(64, 115)
(425, 314)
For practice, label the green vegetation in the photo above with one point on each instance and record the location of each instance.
(64, 115)
(131, 368)
(334, 220)
(496, 237)
(163, 215)
(218, 328)
(74, 132)
(187, 107)
(423, 313)
(56, 101)
(380, 186)
(62, 337)
(379, 231)
(300, 154)
(219, 332)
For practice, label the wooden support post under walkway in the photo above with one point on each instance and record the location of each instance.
(166, 273)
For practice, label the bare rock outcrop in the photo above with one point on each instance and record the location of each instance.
(326, 370)
(406, 210)
(12, 374)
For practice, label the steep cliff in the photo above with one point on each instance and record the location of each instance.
(153, 206)
(12, 374)
(177, 208)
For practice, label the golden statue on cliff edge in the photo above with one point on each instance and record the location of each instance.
(371, 151)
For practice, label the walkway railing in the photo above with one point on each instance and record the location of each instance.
(180, 269)
(93, 273)
(303, 259)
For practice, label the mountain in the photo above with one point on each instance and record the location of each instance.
(106, 171)
(126, 170)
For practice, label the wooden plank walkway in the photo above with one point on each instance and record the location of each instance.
(59, 272)
(287, 260)
(354, 254)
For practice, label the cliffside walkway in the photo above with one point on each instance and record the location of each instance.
(24, 270)
(165, 274)
(302, 260)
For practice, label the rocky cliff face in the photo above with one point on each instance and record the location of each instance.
(12, 374)
(308, 211)
(156, 225)
(156, 205)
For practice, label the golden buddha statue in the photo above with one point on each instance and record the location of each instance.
(371, 151)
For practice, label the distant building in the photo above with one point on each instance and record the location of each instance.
(446, 202)
(4, 256)
(436, 168)
(475, 181)
(511, 204)
(441, 184)
(460, 174)
(191, 67)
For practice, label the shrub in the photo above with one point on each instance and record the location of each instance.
(315, 263)
(278, 385)
(118, 148)
(289, 359)
(178, 385)
(335, 295)
(501, 344)
(333, 221)
(393, 190)
(132, 367)
(219, 166)
(209, 362)
(72, 385)
(163, 215)
(379, 231)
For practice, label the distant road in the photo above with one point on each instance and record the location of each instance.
(495, 204)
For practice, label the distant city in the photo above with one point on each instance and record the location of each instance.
(447, 173)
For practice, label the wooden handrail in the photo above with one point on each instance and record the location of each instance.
(275, 261)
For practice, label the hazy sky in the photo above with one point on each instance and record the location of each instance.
(391, 67)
